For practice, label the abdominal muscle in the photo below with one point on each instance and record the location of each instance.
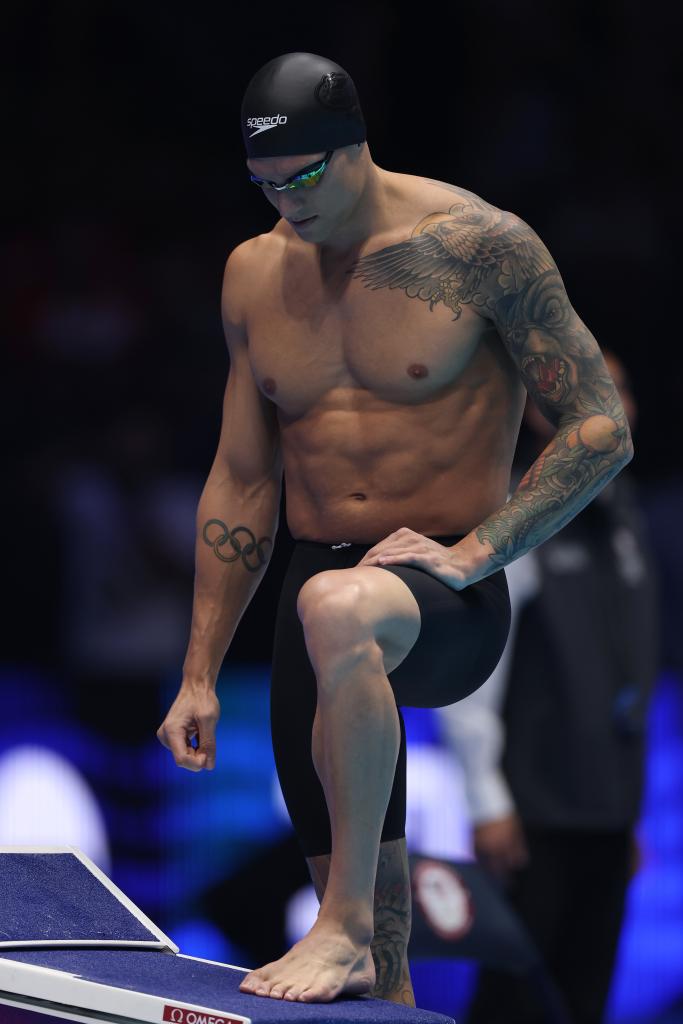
(340, 491)
(363, 518)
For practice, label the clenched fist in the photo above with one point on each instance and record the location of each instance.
(194, 713)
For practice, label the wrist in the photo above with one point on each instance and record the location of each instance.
(196, 684)
(473, 558)
(195, 678)
(203, 660)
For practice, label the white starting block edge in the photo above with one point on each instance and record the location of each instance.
(56, 992)
(163, 941)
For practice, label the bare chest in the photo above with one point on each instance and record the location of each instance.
(308, 340)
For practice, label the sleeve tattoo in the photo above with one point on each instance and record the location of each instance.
(491, 259)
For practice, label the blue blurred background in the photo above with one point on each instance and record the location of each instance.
(125, 191)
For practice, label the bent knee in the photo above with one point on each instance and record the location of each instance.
(333, 597)
(341, 609)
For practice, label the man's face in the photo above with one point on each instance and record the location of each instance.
(313, 212)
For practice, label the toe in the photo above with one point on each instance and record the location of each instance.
(258, 982)
(293, 993)
(257, 987)
(313, 995)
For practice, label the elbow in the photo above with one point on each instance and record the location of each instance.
(615, 441)
(628, 450)
(607, 437)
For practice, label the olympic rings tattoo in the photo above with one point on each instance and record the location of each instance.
(245, 550)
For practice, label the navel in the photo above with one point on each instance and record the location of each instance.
(269, 385)
(359, 496)
(418, 370)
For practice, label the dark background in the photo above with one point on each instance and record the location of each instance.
(125, 189)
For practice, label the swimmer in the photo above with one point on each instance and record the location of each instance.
(382, 338)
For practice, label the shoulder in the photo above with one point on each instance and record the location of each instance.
(243, 267)
(457, 247)
(459, 203)
(246, 256)
(469, 207)
(494, 253)
(498, 232)
(430, 197)
(472, 230)
(500, 254)
(456, 192)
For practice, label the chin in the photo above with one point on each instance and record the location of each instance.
(316, 233)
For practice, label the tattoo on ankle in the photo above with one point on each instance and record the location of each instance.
(252, 552)
(400, 992)
(392, 925)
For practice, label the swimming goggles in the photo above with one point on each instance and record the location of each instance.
(306, 178)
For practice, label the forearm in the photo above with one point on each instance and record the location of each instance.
(580, 460)
(236, 526)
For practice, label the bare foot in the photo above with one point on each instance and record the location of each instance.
(325, 964)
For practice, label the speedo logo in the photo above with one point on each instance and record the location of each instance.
(264, 124)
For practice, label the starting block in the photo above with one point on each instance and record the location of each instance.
(73, 947)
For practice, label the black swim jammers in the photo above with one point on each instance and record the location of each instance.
(461, 639)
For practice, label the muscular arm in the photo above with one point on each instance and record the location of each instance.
(491, 260)
(236, 523)
(564, 372)
(238, 510)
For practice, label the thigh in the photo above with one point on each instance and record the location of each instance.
(293, 702)
(462, 636)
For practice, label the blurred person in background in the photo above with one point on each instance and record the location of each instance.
(552, 745)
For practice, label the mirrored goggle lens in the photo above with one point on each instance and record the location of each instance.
(303, 181)
(312, 178)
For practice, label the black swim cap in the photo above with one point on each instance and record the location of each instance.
(300, 103)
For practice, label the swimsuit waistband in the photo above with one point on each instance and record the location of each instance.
(341, 545)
